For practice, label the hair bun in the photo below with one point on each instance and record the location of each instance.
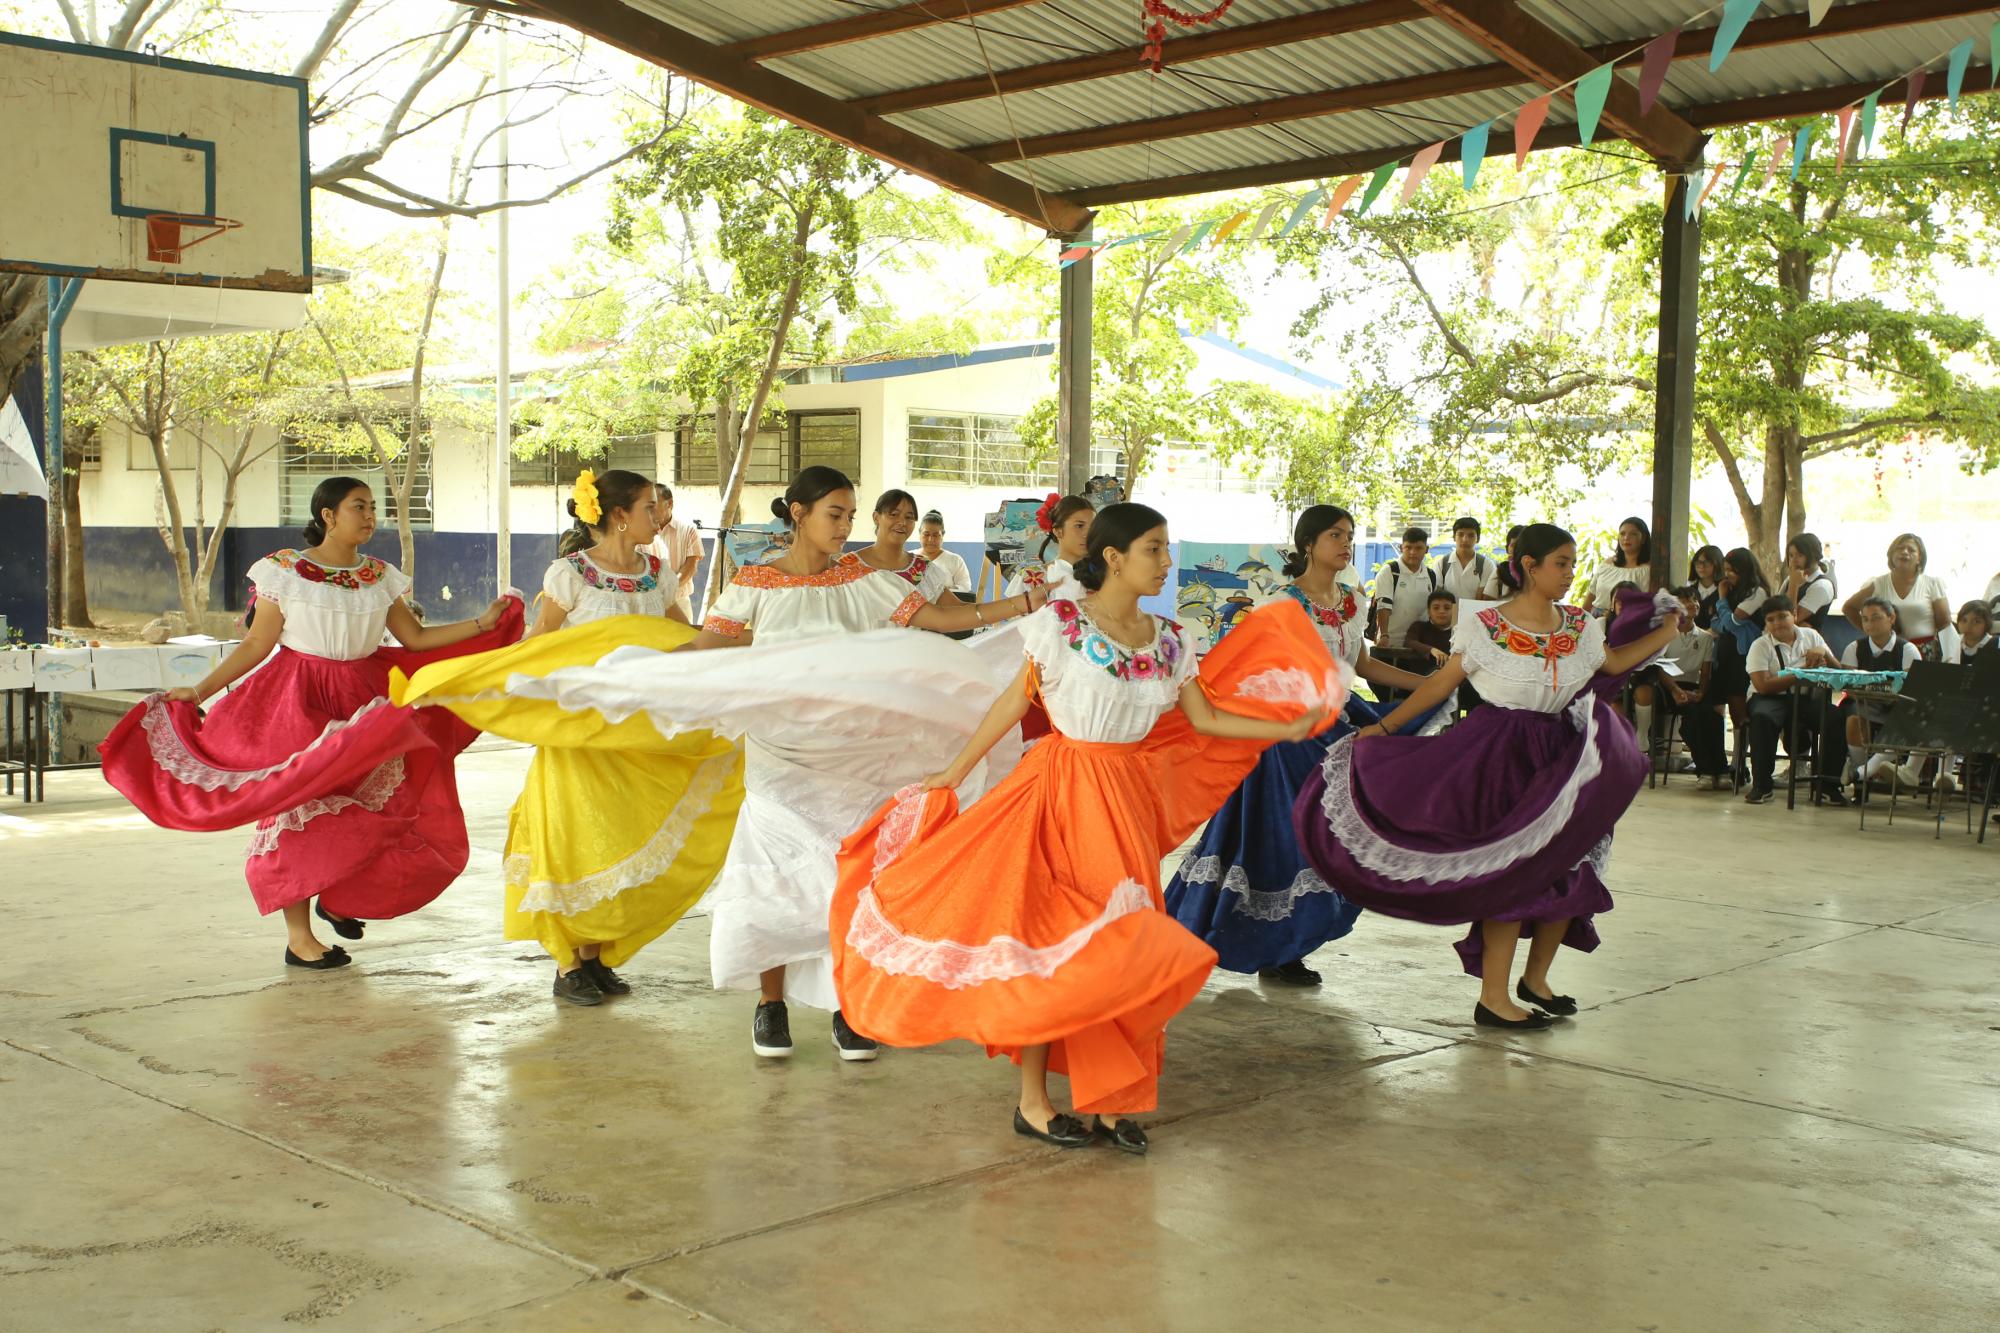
(781, 510)
(570, 505)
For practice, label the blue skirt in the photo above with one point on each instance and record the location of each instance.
(1245, 888)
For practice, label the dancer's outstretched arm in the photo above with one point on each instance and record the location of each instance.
(1209, 720)
(962, 616)
(1005, 714)
(1436, 688)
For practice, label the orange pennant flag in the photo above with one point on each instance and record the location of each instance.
(1709, 188)
(1341, 194)
(1845, 119)
(1222, 233)
(1527, 124)
(1419, 165)
(1780, 151)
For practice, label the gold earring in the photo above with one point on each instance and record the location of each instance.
(623, 526)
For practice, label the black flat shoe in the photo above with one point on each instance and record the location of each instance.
(1486, 1018)
(1065, 1131)
(347, 927)
(1125, 1136)
(335, 957)
(1552, 1004)
(607, 981)
(1294, 973)
(577, 987)
(1830, 795)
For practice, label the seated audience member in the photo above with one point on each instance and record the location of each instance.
(1783, 647)
(1685, 696)
(1975, 633)
(1465, 571)
(1433, 632)
(1737, 623)
(1917, 598)
(1401, 587)
(1880, 648)
(1705, 574)
(1806, 580)
(1631, 562)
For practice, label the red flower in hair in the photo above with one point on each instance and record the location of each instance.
(1045, 516)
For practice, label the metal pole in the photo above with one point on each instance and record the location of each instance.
(503, 434)
(1673, 394)
(1074, 295)
(61, 298)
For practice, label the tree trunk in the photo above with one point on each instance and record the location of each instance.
(173, 534)
(23, 315)
(76, 602)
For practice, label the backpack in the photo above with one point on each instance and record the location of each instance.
(1481, 567)
(1431, 577)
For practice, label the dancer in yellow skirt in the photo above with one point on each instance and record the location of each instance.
(618, 830)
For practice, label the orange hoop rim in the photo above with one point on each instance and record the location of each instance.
(163, 248)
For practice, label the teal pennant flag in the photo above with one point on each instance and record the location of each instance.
(1590, 92)
(1472, 149)
(1735, 17)
(1954, 75)
(1801, 145)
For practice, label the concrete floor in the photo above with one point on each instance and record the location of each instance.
(1778, 1110)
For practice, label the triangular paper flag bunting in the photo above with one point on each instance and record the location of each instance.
(1844, 118)
(1714, 178)
(1911, 94)
(1735, 17)
(1420, 167)
(1305, 206)
(1228, 228)
(1199, 235)
(1375, 184)
(1074, 253)
(1590, 92)
(1954, 75)
(1779, 152)
(1801, 145)
(1176, 240)
(1653, 72)
(1816, 10)
(1527, 124)
(1472, 150)
(1673, 183)
(1690, 202)
(1341, 194)
(1133, 239)
(1263, 221)
(1868, 105)
(1993, 57)
(1743, 172)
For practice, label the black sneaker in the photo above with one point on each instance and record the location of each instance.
(771, 1030)
(577, 988)
(851, 1044)
(607, 981)
(1759, 796)
(1294, 973)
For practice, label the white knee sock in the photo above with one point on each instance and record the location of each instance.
(1876, 764)
(1642, 722)
(1857, 758)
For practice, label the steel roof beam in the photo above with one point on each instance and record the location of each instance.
(620, 25)
(861, 27)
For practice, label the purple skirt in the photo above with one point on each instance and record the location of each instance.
(1505, 817)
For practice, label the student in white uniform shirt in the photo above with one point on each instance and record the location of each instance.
(1784, 647)
(678, 547)
(1403, 589)
(1465, 571)
(1880, 648)
(1807, 581)
(949, 565)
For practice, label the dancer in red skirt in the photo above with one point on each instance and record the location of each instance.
(354, 799)
(1033, 922)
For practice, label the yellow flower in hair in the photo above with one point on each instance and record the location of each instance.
(584, 496)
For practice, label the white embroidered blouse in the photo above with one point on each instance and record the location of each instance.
(847, 597)
(332, 611)
(1340, 627)
(1097, 689)
(587, 591)
(1057, 576)
(1515, 668)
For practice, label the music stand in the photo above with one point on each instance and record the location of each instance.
(1944, 709)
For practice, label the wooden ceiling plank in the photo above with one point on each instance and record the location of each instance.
(618, 24)
(860, 27)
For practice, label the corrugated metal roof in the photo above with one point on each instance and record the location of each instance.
(1054, 30)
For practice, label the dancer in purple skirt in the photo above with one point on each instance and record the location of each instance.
(1506, 818)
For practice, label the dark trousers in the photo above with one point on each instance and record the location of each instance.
(1771, 715)
(1701, 729)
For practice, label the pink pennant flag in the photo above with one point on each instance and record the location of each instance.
(1527, 124)
(1911, 96)
(1781, 152)
(1419, 166)
(1341, 194)
(1709, 188)
(1653, 71)
(1844, 118)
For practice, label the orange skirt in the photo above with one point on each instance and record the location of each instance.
(1036, 916)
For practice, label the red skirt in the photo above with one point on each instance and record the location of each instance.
(354, 799)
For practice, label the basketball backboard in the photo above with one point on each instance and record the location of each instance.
(101, 147)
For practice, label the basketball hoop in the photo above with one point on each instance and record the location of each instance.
(167, 233)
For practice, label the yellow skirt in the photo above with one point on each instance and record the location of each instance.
(619, 830)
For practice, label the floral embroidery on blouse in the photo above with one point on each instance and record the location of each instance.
(912, 575)
(1333, 617)
(1557, 643)
(1149, 663)
(610, 582)
(905, 613)
(364, 575)
(723, 625)
(1034, 578)
(848, 569)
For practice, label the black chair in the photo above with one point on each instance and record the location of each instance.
(1944, 710)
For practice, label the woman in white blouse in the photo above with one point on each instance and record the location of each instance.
(949, 564)
(1922, 609)
(1631, 562)
(1065, 523)
(606, 568)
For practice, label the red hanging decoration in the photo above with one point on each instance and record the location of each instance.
(1161, 13)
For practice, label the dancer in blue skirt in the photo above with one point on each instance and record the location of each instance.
(1245, 888)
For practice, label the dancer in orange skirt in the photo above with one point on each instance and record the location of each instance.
(1033, 923)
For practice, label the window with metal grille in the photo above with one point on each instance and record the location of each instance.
(558, 467)
(827, 439)
(301, 468)
(784, 445)
(89, 450)
(973, 449)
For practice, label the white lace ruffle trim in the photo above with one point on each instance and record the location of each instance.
(1296, 685)
(954, 966)
(173, 757)
(1257, 904)
(373, 793)
(1408, 864)
(572, 897)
